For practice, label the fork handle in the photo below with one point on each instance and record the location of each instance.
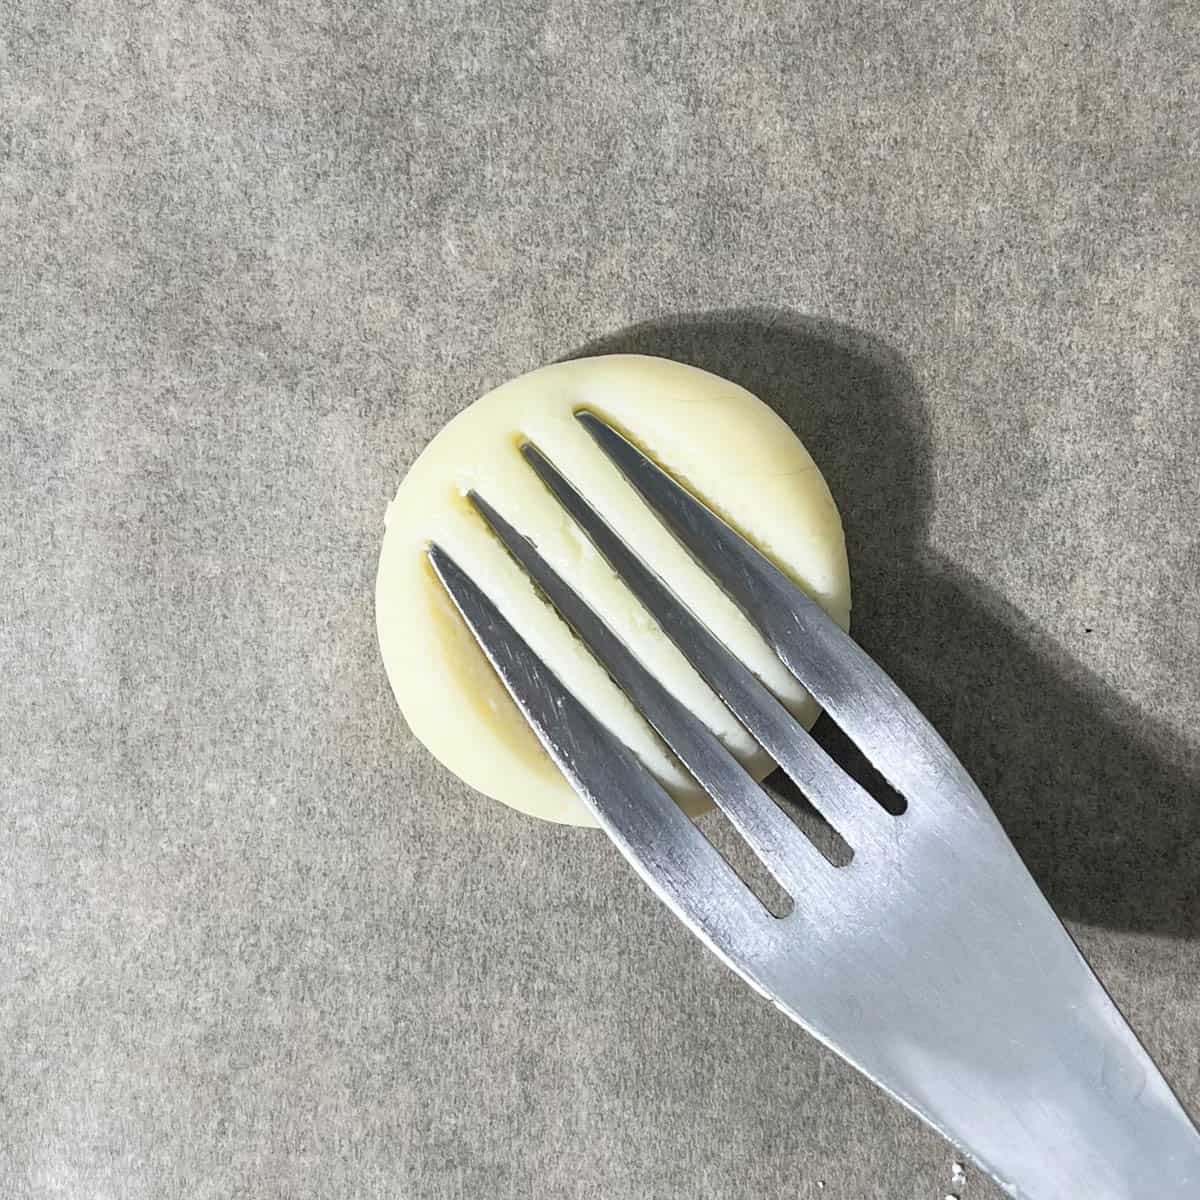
(1017, 1056)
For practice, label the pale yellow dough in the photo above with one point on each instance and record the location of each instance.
(715, 437)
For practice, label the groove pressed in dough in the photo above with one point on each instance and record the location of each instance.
(727, 446)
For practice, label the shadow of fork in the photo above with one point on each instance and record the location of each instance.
(1102, 805)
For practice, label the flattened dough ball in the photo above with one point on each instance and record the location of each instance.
(717, 439)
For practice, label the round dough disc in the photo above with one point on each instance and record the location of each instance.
(717, 439)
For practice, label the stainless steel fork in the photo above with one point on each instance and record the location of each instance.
(931, 961)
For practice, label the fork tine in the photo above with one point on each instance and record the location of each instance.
(845, 681)
(839, 799)
(649, 828)
(787, 853)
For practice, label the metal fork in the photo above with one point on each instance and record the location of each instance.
(931, 961)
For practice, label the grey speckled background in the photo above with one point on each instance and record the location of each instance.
(253, 942)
